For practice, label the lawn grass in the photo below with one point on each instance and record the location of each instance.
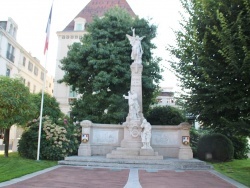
(238, 170)
(15, 166)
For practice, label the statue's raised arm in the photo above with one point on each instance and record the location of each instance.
(135, 42)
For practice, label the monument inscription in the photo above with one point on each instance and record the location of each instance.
(105, 136)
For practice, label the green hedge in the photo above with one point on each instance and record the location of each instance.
(216, 144)
(165, 115)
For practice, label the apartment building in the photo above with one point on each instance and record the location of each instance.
(15, 62)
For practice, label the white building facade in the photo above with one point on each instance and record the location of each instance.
(166, 97)
(16, 62)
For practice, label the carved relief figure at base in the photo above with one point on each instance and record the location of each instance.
(146, 134)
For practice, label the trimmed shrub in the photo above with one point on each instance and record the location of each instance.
(165, 115)
(241, 148)
(218, 145)
(58, 140)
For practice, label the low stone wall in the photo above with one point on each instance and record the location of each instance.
(105, 137)
(166, 140)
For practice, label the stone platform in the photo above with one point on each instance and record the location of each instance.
(134, 153)
(162, 164)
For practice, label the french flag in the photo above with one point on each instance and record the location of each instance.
(48, 31)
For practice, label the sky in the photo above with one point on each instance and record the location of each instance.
(31, 16)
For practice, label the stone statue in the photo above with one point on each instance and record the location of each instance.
(137, 51)
(134, 107)
(146, 134)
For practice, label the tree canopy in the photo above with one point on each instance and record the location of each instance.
(213, 63)
(50, 106)
(15, 105)
(98, 67)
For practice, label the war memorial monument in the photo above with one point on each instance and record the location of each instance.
(135, 142)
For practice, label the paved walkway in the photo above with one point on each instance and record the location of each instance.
(71, 177)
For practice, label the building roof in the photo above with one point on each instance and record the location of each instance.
(167, 94)
(98, 8)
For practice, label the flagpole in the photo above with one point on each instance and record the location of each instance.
(41, 111)
(44, 82)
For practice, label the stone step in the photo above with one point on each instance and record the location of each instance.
(145, 157)
(136, 153)
(165, 164)
(122, 152)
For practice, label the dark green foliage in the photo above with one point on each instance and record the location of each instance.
(194, 139)
(16, 106)
(216, 144)
(99, 67)
(240, 143)
(165, 115)
(213, 52)
(241, 148)
(58, 139)
(50, 106)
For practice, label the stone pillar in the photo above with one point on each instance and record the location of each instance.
(132, 126)
(185, 151)
(136, 81)
(85, 148)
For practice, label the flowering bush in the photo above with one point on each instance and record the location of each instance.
(58, 139)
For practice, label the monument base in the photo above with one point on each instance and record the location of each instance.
(134, 153)
(185, 153)
(84, 150)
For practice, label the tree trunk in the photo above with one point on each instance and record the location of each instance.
(6, 141)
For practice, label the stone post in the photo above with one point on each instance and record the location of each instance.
(85, 148)
(185, 151)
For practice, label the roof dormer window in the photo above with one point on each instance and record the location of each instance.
(79, 27)
(79, 24)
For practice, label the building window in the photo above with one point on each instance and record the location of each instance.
(24, 61)
(28, 84)
(14, 32)
(34, 88)
(63, 37)
(10, 53)
(42, 76)
(79, 27)
(72, 94)
(36, 71)
(8, 72)
(23, 80)
(30, 66)
(11, 29)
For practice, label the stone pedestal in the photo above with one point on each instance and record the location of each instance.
(185, 153)
(132, 143)
(85, 148)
